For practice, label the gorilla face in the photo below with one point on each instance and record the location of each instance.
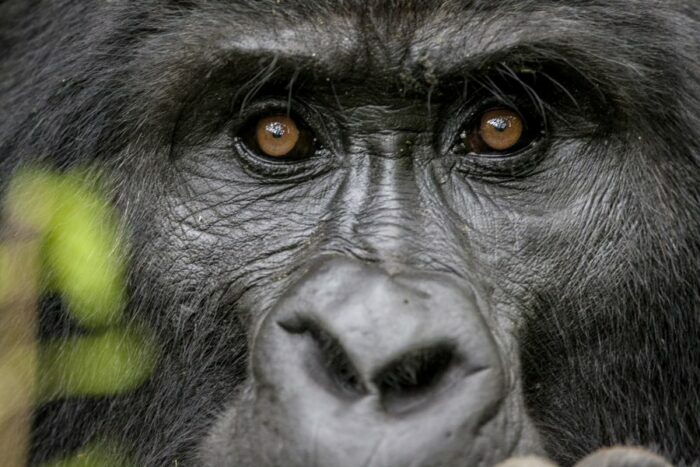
(409, 233)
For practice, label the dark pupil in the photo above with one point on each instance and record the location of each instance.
(276, 130)
(499, 124)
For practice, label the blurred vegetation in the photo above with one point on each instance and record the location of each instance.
(95, 455)
(60, 235)
(80, 242)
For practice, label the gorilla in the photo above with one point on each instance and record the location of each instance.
(379, 233)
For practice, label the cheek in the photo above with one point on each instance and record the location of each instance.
(575, 251)
(556, 230)
(224, 231)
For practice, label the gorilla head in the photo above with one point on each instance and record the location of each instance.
(381, 233)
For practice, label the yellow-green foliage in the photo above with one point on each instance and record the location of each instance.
(114, 361)
(81, 247)
(95, 455)
(82, 258)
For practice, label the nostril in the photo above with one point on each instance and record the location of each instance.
(328, 362)
(412, 379)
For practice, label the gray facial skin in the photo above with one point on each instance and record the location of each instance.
(397, 290)
(352, 360)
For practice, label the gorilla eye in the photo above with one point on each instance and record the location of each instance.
(500, 130)
(279, 137)
(276, 136)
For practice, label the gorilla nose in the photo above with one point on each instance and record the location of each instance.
(352, 355)
(403, 369)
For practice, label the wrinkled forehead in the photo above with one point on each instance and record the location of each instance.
(393, 35)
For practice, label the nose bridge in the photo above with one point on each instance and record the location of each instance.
(389, 219)
(381, 203)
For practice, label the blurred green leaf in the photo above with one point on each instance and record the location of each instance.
(83, 258)
(113, 362)
(82, 249)
(95, 455)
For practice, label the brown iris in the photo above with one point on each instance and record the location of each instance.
(277, 136)
(499, 130)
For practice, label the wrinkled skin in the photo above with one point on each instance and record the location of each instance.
(390, 299)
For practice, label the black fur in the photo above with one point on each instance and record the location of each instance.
(601, 274)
